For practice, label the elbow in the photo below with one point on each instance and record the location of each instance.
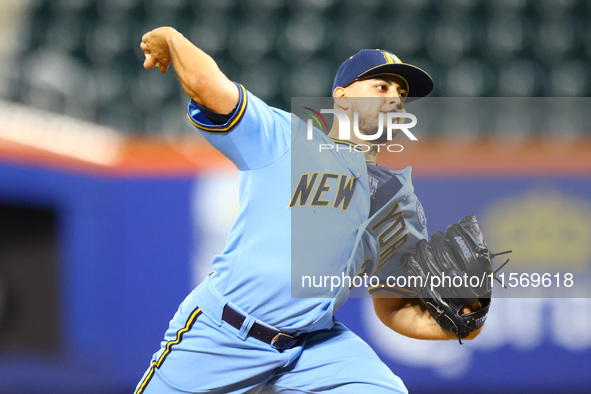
(196, 87)
(215, 92)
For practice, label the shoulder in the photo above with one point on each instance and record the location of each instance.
(250, 111)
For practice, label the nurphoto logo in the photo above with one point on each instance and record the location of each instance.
(388, 122)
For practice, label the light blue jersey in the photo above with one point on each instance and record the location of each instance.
(299, 208)
(300, 214)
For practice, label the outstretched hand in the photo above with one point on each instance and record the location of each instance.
(155, 47)
(196, 71)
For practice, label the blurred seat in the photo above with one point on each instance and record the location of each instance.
(471, 77)
(449, 40)
(262, 6)
(404, 36)
(201, 7)
(355, 32)
(311, 79)
(304, 34)
(149, 90)
(555, 39)
(65, 7)
(105, 41)
(316, 5)
(569, 79)
(263, 78)
(117, 10)
(554, 8)
(252, 40)
(507, 7)
(66, 33)
(415, 6)
(519, 78)
(506, 36)
(459, 7)
(211, 33)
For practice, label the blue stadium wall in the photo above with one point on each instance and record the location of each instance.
(126, 259)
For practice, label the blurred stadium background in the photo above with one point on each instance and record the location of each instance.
(81, 57)
(111, 206)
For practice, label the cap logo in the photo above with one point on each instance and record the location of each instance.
(391, 58)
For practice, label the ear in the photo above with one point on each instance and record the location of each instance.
(341, 100)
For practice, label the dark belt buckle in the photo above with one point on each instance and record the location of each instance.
(282, 341)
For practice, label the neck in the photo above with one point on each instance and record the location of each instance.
(370, 155)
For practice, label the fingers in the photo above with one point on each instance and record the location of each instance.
(150, 62)
(163, 67)
(466, 309)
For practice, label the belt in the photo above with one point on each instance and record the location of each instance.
(279, 340)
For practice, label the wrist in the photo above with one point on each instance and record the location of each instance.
(170, 36)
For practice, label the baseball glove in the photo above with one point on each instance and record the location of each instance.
(456, 271)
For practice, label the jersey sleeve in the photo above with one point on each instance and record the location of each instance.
(252, 136)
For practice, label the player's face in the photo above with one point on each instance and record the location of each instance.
(375, 95)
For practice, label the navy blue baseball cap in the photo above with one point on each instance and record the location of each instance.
(369, 62)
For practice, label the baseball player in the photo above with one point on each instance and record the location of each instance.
(245, 328)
